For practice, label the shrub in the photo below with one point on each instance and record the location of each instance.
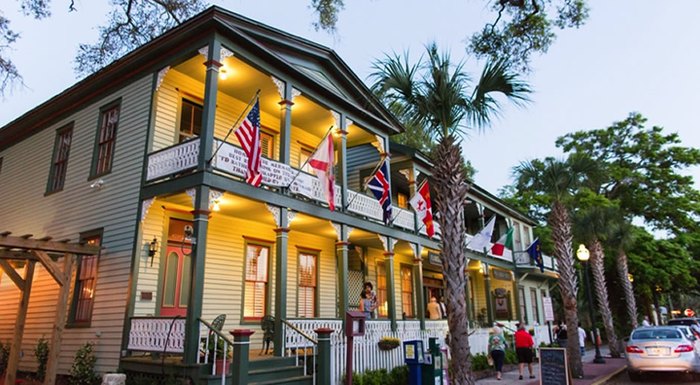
(397, 376)
(511, 357)
(480, 362)
(41, 353)
(83, 370)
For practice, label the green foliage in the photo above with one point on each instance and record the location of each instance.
(83, 370)
(523, 27)
(511, 357)
(397, 376)
(4, 356)
(480, 362)
(41, 352)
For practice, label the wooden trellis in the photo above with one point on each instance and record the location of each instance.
(26, 248)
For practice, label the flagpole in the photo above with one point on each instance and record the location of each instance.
(364, 185)
(230, 130)
(312, 154)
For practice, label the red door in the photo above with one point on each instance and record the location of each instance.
(176, 282)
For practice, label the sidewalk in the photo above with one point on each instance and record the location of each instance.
(593, 374)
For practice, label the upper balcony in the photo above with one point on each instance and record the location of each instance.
(290, 132)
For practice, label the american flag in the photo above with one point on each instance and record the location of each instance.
(248, 134)
(379, 185)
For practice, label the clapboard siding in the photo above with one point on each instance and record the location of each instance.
(78, 208)
(360, 158)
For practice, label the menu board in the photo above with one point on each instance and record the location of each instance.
(554, 367)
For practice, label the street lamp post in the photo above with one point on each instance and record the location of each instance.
(583, 255)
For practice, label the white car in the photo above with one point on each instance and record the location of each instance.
(661, 349)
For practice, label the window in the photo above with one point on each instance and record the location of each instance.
(106, 137)
(304, 155)
(256, 267)
(190, 120)
(61, 148)
(85, 282)
(1, 164)
(407, 291)
(402, 200)
(382, 307)
(533, 305)
(306, 303)
(267, 144)
(523, 308)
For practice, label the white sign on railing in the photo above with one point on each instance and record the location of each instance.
(233, 160)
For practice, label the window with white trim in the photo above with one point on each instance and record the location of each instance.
(256, 280)
(306, 302)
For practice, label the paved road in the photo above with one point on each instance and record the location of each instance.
(652, 378)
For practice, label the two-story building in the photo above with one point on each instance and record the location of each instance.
(139, 161)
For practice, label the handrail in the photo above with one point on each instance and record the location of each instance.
(284, 321)
(211, 329)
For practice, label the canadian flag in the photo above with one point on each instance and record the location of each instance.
(322, 162)
(421, 204)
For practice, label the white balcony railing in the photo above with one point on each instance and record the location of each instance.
(173, 160)
(155, 334)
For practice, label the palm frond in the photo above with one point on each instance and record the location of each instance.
(495, 78)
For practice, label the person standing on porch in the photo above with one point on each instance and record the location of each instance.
(368, 289)
(433, 309)
(366, 305)
(443, 308)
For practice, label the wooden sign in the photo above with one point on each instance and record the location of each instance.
(554, 367)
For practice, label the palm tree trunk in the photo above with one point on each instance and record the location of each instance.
(623, 273)
(451, 189)
(568, 281)
(601, 290)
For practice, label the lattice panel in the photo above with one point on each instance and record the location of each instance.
(355, 282)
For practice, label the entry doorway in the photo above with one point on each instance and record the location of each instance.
(176, 276)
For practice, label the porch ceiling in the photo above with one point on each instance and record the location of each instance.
(242, 80)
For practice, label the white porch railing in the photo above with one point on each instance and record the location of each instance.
(173, 159)
(157, 334)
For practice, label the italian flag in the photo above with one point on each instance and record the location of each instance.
(504, 242)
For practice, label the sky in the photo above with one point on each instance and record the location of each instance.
(632, 55)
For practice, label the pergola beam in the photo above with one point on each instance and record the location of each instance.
(10, 271)
(25, 242)
(20, 320)
(60, 320)
(51, 267)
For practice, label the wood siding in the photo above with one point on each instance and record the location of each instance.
(25, 210)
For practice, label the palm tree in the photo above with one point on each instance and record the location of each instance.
(434, 93)
(594, 219)
(556, 180)
(623, 238)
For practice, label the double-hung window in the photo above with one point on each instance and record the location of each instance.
(382, 309)
(190, 120)
(306, 304)
(256, 270)
(106, 139)
(407, 291)
(85, 282)
(59, 162)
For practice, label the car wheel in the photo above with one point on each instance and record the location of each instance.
(634, 376)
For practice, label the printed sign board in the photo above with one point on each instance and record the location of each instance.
(554, 367)
(548, 311)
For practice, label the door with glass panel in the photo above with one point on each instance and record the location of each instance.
(176, 277)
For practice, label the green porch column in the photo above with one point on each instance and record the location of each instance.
(342, 166)
(516, 289)
(390, 290)
(199, 246)
(281, 245)
(211, 88)
(487, 287)
(418, 284)
(341, 253)
(241, 351)
(324, 355)
(286, 103)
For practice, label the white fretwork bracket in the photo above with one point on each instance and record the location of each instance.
(280, 86)
(385, 241)
(161, 76)
(275, 211)
(145, 206)
(193, 195)
(214, 196)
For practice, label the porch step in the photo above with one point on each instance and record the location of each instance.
(277, 370)
(299, 380)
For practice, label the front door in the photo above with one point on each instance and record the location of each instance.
(176, 279)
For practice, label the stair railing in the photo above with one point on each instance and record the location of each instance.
(296, 341)
(213, 344)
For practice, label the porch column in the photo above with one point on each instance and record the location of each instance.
(285, 90)
(60, 319)
(194, 303)
(418, 284)
(487, 287)
(390, 291)
(281, 244)
(341, 252)
(516, 289)
(25, 286)
(343, 165)
(324, 355)
(211, 86)
(241, 351)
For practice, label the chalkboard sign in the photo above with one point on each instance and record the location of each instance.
(554, 367)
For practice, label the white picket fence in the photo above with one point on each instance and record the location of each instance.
(366, 354)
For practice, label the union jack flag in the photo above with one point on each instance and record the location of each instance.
(379, 185)
(248, 134)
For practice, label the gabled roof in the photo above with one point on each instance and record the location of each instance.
(301, 60)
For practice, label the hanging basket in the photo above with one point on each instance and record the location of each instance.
(388, 343)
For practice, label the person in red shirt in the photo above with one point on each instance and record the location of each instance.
(523, 349)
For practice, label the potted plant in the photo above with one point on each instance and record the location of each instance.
(389, 343)
(216, 352)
